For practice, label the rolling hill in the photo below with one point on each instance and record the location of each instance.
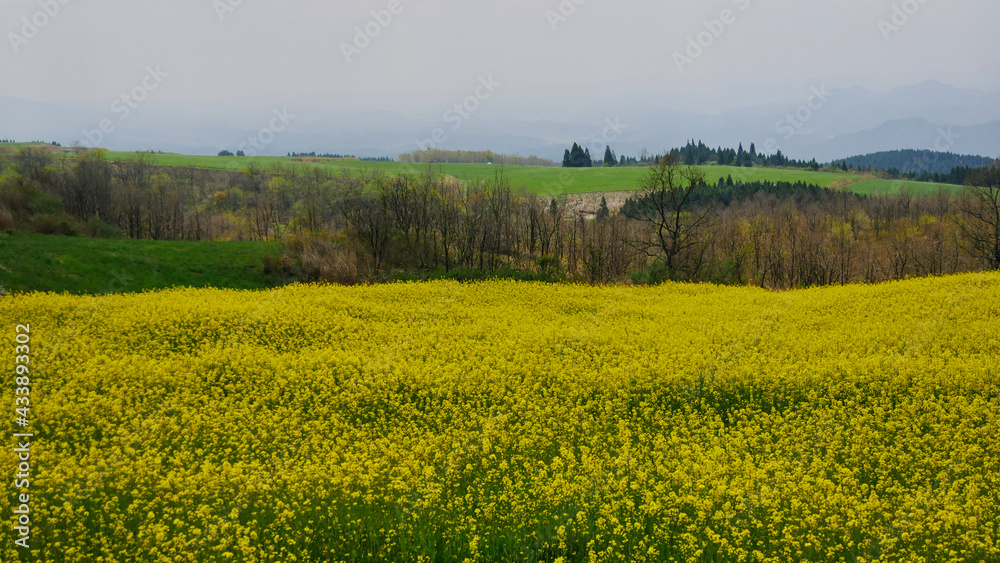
(549, 180)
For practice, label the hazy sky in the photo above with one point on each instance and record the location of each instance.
(543, 52)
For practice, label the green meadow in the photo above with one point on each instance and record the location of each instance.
(539, 179)
(81, 265)
(890, 187)
(549, 180)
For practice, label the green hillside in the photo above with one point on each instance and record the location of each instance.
(31, 262)
(539, 179)
(889, 187)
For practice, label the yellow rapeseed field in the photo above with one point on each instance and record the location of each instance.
(507, 421)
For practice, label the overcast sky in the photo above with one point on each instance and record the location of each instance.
(93, 50)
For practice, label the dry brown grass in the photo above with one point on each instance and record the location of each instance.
(7, 221)
(842, 185)
(46, 225)
(319, 259)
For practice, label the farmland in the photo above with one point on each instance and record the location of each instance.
(549, 180)
(892, 187)
(539, 179)
(504, 421)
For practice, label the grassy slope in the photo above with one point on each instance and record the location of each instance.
(30, 262)
(588, 180)
(545, 180)
(889, 187)
(25, 145)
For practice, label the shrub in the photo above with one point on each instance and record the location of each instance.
(46, 224)
(7, 221)
(654, 273)
(24, 200)
(99, 229)
(270, 268)
(66, 229)
(550, 268)
(319, 258)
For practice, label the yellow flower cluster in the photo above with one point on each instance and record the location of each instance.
(506, 421)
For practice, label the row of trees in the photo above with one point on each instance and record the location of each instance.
(958, 175)
(577, 157)
(693, 153)
(698, 153)
(680, 227)
(677, 226)
(133, 198)
(826, 238)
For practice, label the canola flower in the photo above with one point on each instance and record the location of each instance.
(506, 421)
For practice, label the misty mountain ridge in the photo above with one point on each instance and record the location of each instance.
(848, 121)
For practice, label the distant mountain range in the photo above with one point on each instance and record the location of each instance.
(916, 134)
(852, 121)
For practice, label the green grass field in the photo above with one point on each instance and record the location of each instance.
(79, 265)
(539, 179)
(890, 187)
(22, 145)
(552, 181)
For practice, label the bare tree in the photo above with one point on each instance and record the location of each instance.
(262, 201)
(372, 225)
(981, 210)
(88, 192)
(667, 202)
(135, 177)
(31, 163)
(406, 201)
(447, 216)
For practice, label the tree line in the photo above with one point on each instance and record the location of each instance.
(368, 226)
(693, 153)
